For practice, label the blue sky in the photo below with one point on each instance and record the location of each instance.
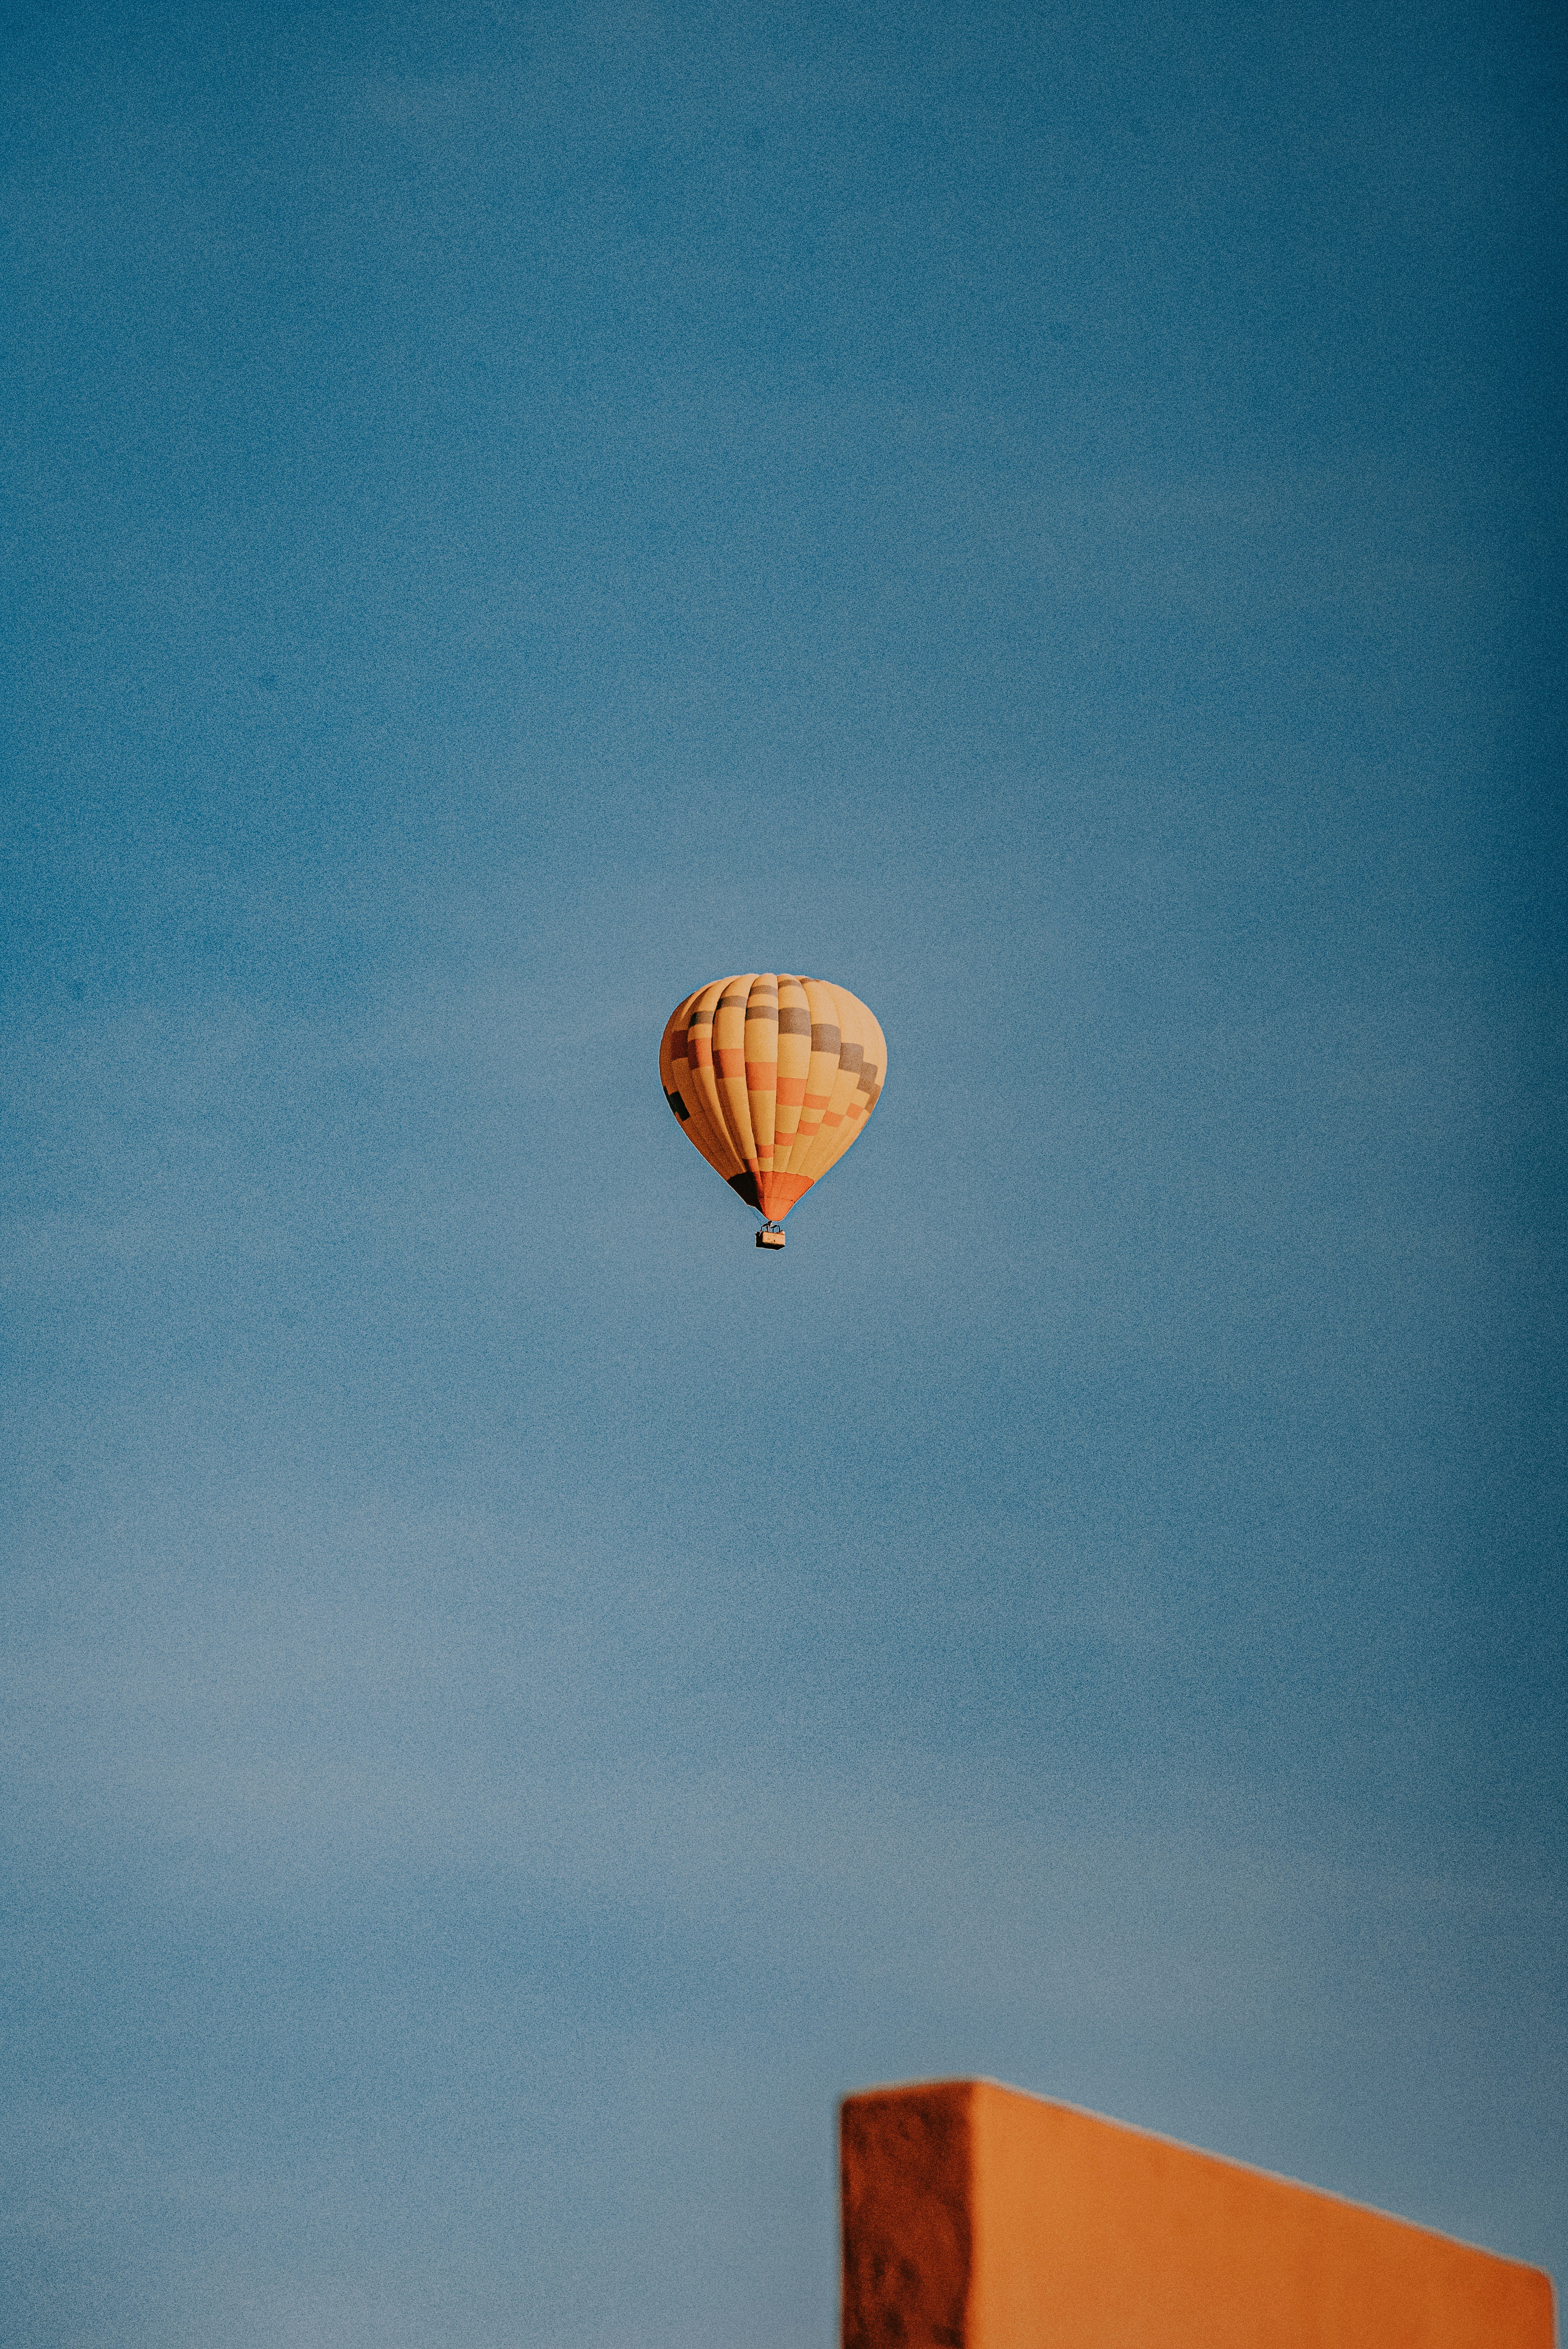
(515, 1702)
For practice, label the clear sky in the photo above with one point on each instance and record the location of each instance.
(515, 1700)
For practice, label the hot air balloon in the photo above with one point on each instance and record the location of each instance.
(772, 1078)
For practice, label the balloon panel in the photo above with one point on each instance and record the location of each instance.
(772, 1078)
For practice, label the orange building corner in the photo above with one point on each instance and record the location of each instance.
(975, 2217)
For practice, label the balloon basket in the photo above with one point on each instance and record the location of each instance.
(770, 1237)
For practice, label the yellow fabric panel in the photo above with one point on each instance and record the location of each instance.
(700, 1043)
(691, 1029)
(671, 1077)
(822, 1072)
(859, 1040)
(794, 1070)
(868, 1084)
(873, 1072)
(702, 1034)
(762, 1063)
(676, 1023)
(729, 1067)
(837, 1133)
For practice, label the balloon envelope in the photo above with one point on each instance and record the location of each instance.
(772, 1078)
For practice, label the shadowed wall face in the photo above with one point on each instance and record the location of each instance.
(906, 2178)
(979, 2217)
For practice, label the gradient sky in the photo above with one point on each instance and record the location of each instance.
(515, 1701)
